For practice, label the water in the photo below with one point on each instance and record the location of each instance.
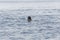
(14, 25)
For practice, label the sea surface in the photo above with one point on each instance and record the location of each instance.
(45, 24)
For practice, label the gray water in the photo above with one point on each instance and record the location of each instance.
(13, 26)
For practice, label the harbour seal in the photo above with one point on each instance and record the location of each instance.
(29, 19)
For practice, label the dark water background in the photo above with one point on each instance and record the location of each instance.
(13, 26)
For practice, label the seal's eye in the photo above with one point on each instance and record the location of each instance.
(29, 19)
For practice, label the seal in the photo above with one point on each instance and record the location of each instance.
(29, 19)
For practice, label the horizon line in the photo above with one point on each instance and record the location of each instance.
(25, 1)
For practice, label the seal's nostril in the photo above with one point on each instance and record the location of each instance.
(29, 19)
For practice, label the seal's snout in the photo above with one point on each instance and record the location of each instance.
(29, 19)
